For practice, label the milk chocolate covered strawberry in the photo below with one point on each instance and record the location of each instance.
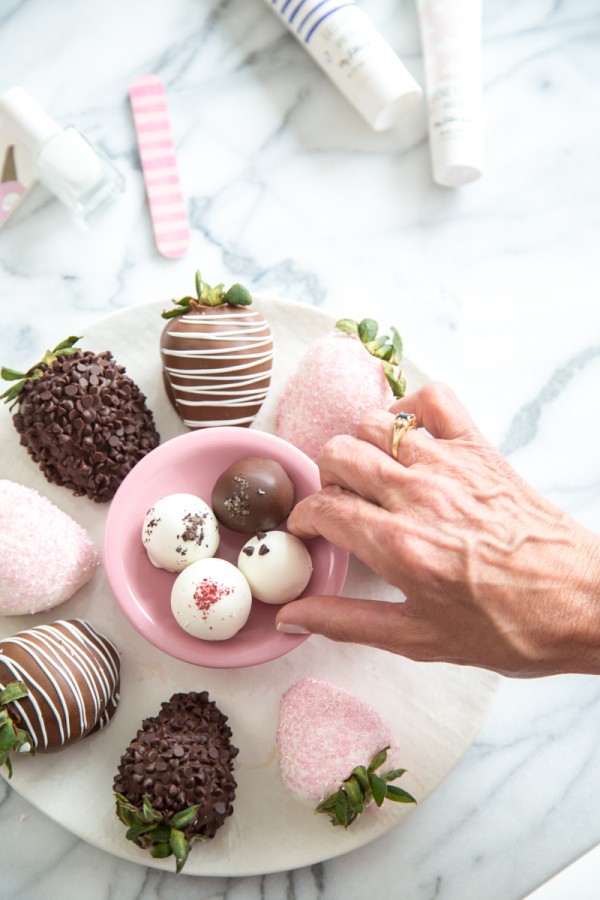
(217, 356)
(58, 684)
(81, 418)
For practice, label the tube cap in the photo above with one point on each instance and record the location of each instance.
(388, 95)
(26, 120)
(456, 132)
(459, 161)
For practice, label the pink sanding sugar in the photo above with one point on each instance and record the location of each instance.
(45, 556)
(336, 382)
(324, 731)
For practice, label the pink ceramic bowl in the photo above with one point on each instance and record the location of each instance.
(192, 463)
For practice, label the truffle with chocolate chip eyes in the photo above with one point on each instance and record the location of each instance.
(253, 494)
(276, 565)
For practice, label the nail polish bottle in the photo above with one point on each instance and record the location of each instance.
(72, 168)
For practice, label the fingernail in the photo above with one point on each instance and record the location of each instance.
(290, 628)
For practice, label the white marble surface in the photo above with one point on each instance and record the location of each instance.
(494, 288)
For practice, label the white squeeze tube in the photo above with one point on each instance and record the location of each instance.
(451, 40)
(350, 50)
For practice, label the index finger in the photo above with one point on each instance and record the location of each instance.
(354, 524)
(439, 411)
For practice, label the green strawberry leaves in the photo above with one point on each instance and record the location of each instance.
(12, 738)
(362, 787)
(382, 347)
(207, 296)
(149, 829)
(11, 395)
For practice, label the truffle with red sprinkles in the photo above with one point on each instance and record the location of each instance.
(211, 599)
(45, 556)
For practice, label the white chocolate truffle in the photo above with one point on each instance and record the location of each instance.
(211, 600)
(277, 565)
(179, 530)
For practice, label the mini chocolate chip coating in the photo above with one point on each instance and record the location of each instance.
(85, 423)
(253, 494)
(181, 757)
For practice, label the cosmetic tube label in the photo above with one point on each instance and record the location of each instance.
(159, 166)
(354, 55)
(456, 132)
(451, 38)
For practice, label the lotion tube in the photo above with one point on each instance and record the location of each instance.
(451, 40)
(350, 50)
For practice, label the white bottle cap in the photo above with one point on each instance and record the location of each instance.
(26, 120)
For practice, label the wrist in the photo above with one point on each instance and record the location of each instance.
(576, 646)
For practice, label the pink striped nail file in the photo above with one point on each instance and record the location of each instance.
(159, 165)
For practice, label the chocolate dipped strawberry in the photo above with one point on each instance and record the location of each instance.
(59, 683)
(217, 357)
(175, 783)
(81, 418)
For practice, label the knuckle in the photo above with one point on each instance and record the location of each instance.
(438, 395)
(336, 447)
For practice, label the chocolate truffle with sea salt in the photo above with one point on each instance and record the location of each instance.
(253, 494)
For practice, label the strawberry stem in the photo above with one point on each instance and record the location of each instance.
(236, 295)
(381, 347)
(362, 787)
(11, 395)
(162, 835)
(12, 738)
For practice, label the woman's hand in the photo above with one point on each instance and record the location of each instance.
(493, 574)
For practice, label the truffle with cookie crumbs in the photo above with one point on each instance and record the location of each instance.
(178, 530)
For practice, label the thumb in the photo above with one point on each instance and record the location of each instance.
(377, 623)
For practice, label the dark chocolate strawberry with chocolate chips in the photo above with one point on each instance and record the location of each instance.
(175, 781)
(81, 418)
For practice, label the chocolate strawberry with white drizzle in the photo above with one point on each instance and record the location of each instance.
(59, 683)
(217, 356)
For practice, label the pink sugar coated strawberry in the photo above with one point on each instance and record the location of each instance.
(45, 556)
(330, 745)
(336, 382)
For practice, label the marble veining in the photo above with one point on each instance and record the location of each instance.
(494, 288)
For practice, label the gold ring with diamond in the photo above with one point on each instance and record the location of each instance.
(403, 422)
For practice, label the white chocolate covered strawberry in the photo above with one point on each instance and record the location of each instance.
(343, 375)
(330, 747)
(45, 556)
